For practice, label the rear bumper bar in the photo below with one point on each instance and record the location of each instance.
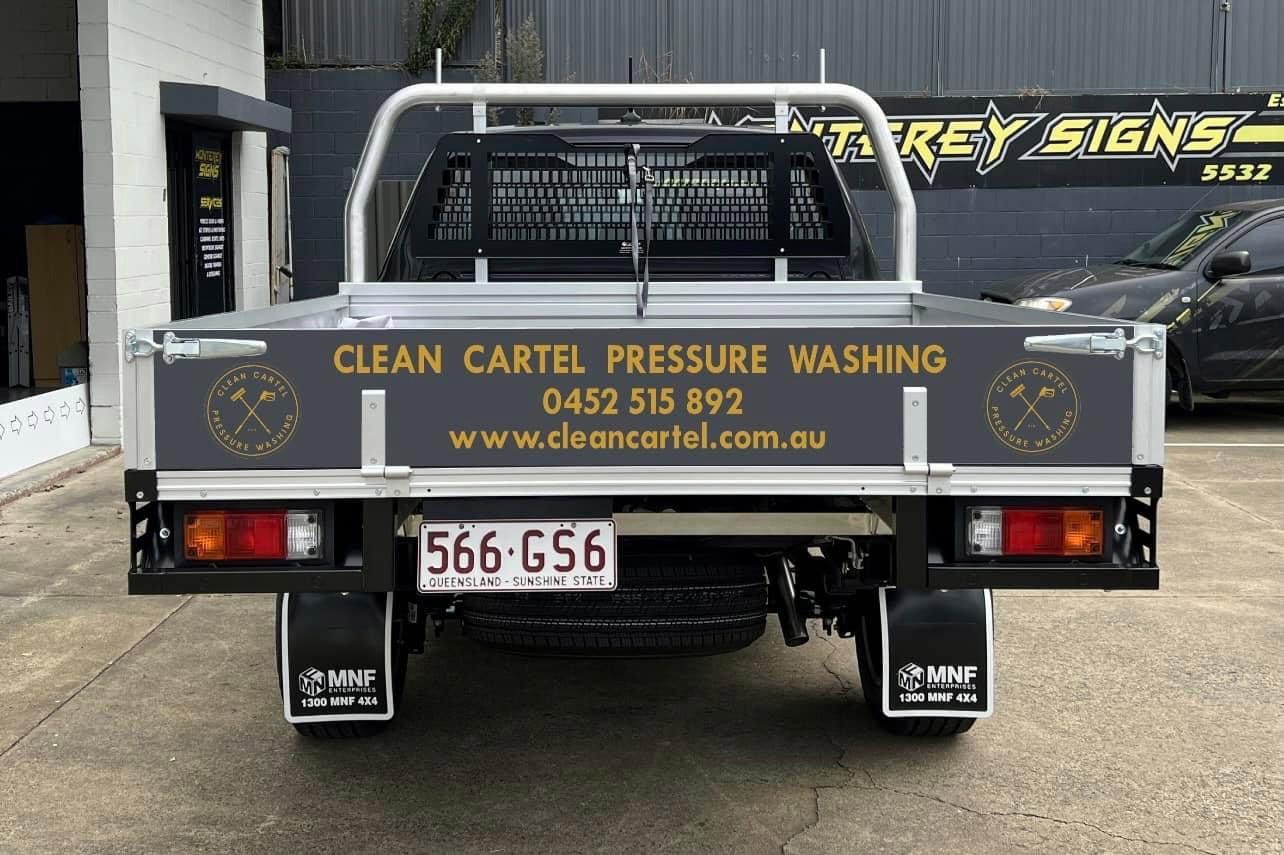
(952, 577)
(919, 557)
(250, 581)
(1050, 576)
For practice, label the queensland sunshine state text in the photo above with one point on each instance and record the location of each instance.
(641, 359)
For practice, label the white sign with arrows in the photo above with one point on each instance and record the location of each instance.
(42, 427)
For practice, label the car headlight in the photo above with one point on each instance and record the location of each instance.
(1052, 304)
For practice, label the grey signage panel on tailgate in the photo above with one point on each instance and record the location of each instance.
(641, 397)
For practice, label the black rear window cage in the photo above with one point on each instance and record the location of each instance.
(452, 214)
(712, 197)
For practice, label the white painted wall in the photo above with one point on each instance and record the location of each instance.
(127, 47)
(38, 50)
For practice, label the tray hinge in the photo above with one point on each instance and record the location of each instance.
(388, 473)
(914, 429)
(374, 442)
(938, 478)
(914, 442)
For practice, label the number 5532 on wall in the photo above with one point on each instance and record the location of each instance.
(1236, 172)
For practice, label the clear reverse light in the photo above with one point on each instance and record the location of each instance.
(302, 534)
(1052, 304)
(985, 531)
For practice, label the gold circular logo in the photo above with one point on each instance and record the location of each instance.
(1032, 406)
(252, 410)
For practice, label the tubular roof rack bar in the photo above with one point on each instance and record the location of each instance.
(357, 245)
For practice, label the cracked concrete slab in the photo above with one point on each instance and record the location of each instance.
(916, 823)
(69, 537)
(52, 474)
(1090, 752)
(50, 648)
(1139, 722)
(522, 755)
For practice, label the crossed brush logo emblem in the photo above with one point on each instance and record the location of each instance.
(265, 396)
(1051, 406)
(1031, 407)
(252, 410)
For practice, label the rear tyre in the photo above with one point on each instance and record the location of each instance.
(869, 661)
(665, 605)
(351, 729)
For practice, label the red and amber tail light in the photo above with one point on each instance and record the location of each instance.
(254, 535)
(1035, 532)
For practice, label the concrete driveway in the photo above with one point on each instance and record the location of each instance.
(1126, 722)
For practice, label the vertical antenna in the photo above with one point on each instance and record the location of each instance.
(437, 108)
(630, 116)
(822, 73)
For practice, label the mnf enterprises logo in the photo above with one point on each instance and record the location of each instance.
(1064, 140)
(911, 677)
(313, 681)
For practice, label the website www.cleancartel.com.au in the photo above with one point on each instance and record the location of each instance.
(699, 438)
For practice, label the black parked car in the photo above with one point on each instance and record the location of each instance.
(1215, 277)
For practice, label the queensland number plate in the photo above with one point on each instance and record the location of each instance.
(516, 555)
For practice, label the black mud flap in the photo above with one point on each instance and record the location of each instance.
(336, 657)
(938, 653)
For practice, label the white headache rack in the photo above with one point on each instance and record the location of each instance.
(358, 240)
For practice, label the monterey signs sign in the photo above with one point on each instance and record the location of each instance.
(1058, 141)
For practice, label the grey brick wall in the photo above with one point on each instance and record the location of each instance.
(967, 238)
(332, 113)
